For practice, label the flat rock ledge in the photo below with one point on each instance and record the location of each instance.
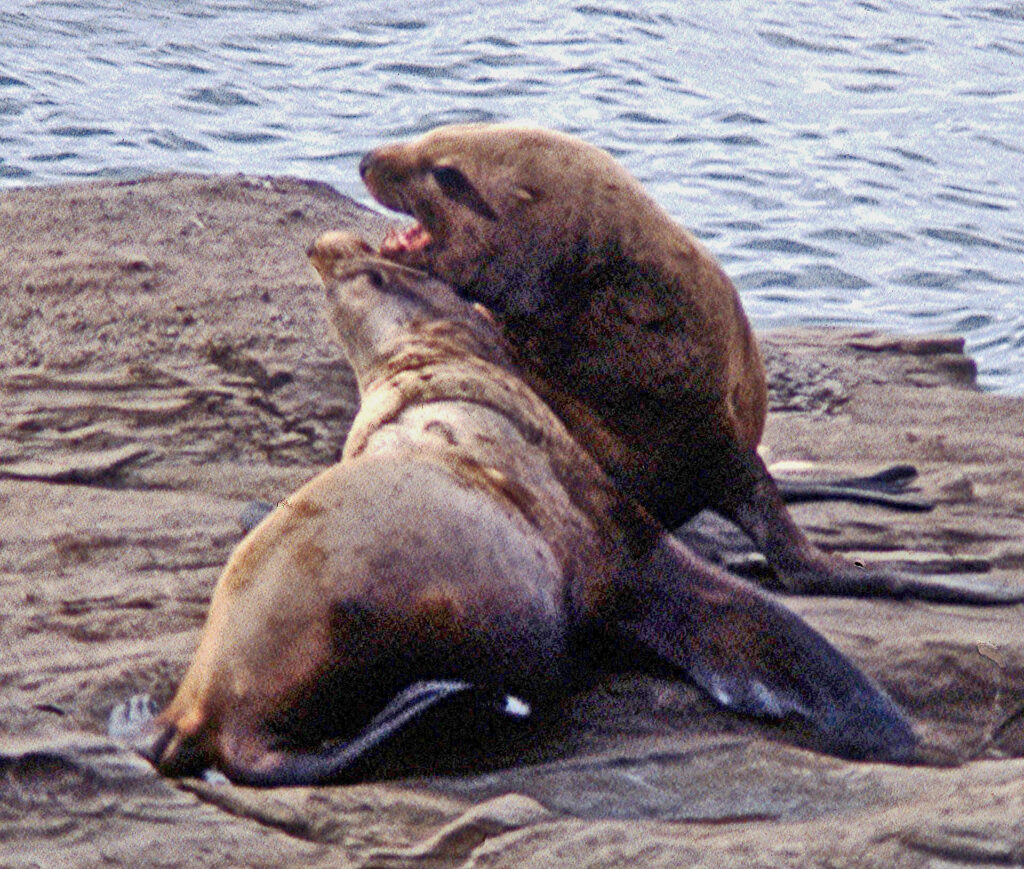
(164, 360)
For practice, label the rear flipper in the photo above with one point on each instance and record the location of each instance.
(246, 758)
(756, 657)
(338, 761)
(752, 500)
(886, 488)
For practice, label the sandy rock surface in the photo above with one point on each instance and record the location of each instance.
(164, 360)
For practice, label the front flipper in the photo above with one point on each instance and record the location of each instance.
(133, 723)
(886, 488)
(756, 657)
(333, 761)
(254, 513)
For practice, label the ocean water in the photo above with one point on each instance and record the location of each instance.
(850, 163)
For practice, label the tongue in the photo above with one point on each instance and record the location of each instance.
(411, 240)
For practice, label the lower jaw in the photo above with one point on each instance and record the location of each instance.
(408, 246)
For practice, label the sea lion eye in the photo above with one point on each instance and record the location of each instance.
(450, 180)
(375, 278)
(459, 188)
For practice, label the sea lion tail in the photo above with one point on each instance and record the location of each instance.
(756, 657)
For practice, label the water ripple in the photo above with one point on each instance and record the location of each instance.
(849, 163)
(221, 97)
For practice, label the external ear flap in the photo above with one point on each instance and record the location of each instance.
(459, 188)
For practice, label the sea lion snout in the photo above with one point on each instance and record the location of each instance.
(384, 172)
(372, 300)
(331, 249)
(364, 164)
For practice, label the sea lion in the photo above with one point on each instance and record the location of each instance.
(464, 546)
(623, 322)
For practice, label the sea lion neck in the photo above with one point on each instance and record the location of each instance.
(391, 318)
(435, 344)
(571, 312)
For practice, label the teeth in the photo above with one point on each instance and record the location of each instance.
(411, 240)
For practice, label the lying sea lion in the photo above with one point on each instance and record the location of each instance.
(464, 546)
(625, 325)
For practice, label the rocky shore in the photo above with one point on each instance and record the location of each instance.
(164, 360)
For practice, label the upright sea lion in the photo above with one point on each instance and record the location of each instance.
(465, 545)
(623, 322)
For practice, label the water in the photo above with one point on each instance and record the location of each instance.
(850, 163)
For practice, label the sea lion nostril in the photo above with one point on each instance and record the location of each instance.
(364, 164)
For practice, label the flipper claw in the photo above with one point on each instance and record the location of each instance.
(130, 720)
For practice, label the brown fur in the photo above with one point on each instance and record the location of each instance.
(465, 536)
(622, 321)
(360, 579)
(632, 331)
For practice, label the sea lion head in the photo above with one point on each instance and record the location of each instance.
(375, 304)
(504, 213)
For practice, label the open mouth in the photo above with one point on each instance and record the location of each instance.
(414, 239)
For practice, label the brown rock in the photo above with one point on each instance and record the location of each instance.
(164, 360)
